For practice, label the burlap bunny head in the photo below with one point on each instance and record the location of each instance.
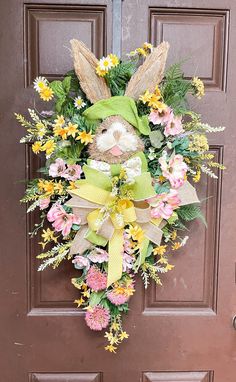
(116, 139)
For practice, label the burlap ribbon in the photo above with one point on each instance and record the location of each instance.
(103, 216)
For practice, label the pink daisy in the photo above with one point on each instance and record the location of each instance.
(97, 318)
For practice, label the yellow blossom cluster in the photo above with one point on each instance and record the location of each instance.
(198, 143)
(48, 236)
(143, 51)
(41, 85)
(85, 292)
(153, 100)
(64, 130)
(106, 63)
(115, 335)
(124, 287)
(161, 251)
(136, 233)
(49, 146)
(198, 86)
(50, 187)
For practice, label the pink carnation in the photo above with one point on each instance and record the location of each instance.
(58, 168)
(175, 170)
(44, 203)
(62, 221)
(161, 118)
(96, 279)
(117, 299)
(73, 172)
(97, 318)
(174, 127)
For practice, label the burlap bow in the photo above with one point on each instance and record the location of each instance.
(104, 216)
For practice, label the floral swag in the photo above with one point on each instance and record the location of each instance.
(123, 154)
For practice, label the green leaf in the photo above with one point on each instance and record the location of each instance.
(191, 212)
(58, 89)
(156, 138)
(162, 188)
(95, 298)
(66, 83)
(59, 104)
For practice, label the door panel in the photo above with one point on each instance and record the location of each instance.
(181, 331)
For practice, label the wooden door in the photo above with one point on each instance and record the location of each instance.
(179, 332)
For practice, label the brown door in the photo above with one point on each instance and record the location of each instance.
(179, 332)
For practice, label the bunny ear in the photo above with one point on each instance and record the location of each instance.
(85, 64)
(150, 73)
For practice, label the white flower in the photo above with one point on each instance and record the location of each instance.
(151, 153)
(40, 83)
(105, 63)
(79, 102)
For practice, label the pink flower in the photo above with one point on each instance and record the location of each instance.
(98, 255)
(96, 279)
(73, 172)
(121, 292)
(81, 262)
(174, 126)
(162, 118)
(127, 262)
(44, 203)
(175, 170)
(97, 317)
(117, 299)
(58, 168)
(62, 221)
(164, 204)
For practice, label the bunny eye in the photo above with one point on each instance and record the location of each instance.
(104, 131)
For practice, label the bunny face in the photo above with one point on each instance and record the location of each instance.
(115, 141)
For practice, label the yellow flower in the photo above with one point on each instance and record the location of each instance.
(114, 59)
(85, 138)
(123, 335)
(100, 72)
(48, 235)
(147, 46)
(169, 267)
(71, 129)
(49, 147)
(115, 326)
(36, 147)
(197, 177)
(173, 235)
(46, 93)
(160, 250)
(59, 121)
(199, 143)
(109, 336)
(48, 187)
(198, 87)
(136, 233)
(60, 132)
(86, 293)
(141, 51)
(72, 186)
(58, 188)
(79, 302)
(41, 129)
(111, 348)
(40, 184)
(176, 246)
(145, 98)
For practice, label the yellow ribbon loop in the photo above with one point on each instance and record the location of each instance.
(107, 225)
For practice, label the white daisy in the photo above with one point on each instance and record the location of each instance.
(105, 63)
(79, 102)
(40, 83)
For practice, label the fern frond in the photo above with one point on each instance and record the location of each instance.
(191, 212)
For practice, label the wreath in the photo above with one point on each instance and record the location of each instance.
(123, 154)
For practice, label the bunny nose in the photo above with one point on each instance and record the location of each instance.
(117, 134)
